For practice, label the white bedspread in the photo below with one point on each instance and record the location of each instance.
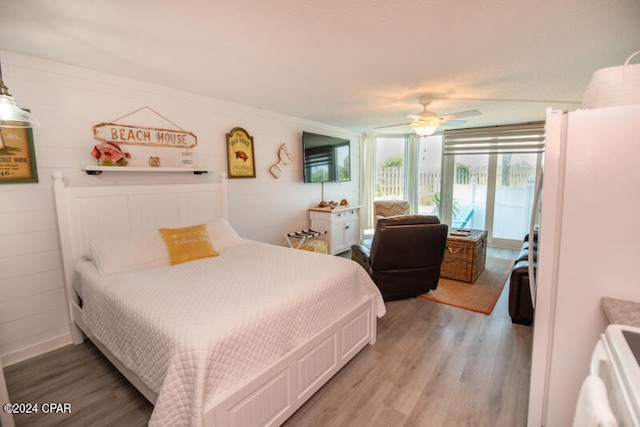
(193, 332)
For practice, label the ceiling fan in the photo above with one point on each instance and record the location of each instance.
(426, 122)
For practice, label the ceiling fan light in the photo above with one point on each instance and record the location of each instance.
(423, 130)
(427, 126)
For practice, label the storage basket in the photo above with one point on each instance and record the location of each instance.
(458, 261)
(614, 86)
(464, 259)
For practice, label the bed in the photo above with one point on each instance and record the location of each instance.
(240, 338)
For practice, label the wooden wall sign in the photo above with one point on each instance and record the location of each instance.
(140, 135)
(17, 156)
(143, 135)
(240, 157)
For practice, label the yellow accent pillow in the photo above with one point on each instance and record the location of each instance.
(188, 243)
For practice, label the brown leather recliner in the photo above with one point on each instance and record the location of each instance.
(405, 255)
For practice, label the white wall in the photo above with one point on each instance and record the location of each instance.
(69, 101)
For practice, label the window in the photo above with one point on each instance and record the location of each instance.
(429, 175)
(390, 163)
(392, 166)
(481, 178)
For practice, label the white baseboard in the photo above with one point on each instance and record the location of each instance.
(36, 349)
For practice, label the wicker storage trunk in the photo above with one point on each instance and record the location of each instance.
(464, 256)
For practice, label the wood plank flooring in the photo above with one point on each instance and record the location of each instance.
(433, 365)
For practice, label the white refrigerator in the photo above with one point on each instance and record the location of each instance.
(589, 248)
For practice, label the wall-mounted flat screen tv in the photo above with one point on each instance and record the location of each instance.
(326, 158)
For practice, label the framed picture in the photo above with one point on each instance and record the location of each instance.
(240, 157)
(17, 156)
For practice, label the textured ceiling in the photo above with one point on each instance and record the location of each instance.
(353, 64)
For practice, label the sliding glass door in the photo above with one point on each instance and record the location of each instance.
(469, 197)
(493, 192)
(489, 178)
(514, 192)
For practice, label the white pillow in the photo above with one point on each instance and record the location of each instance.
(116, 253)
(222, 234)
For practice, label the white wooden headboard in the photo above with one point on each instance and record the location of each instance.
(84, 212)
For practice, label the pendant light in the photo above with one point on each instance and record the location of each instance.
(12, 116)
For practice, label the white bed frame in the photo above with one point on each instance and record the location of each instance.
(277, 392)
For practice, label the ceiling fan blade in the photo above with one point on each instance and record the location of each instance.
(453, 122)
(390, 126)
(461, 114)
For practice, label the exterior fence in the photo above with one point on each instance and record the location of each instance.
(513, 200)
(513, 175)
(390, 180)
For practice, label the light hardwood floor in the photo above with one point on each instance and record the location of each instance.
(433, 365)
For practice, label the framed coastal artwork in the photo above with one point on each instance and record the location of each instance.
(17, 156)
(240, 157)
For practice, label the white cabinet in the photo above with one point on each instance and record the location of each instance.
(341, 223)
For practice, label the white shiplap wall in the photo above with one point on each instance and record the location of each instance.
(68, 101)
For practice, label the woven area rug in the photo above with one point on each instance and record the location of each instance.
(480, 296)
